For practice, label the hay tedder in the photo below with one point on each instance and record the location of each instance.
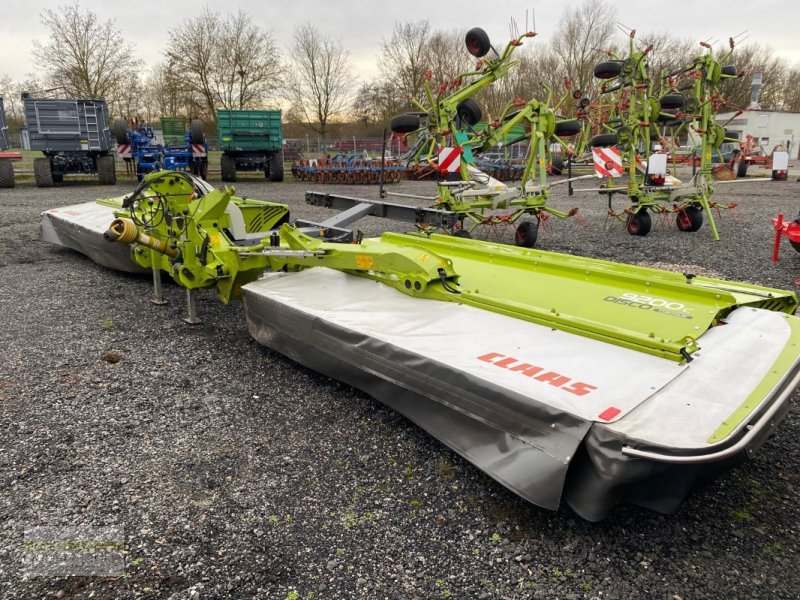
(638, 113)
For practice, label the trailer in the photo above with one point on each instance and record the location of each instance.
(6, 168)
(73, 135)
(250, 140)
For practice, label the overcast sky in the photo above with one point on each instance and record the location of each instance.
(361, 25)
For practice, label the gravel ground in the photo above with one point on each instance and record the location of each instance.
(236, 473)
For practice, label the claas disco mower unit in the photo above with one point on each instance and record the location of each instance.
(513, 357)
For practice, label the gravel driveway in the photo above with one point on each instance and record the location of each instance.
(236, 473)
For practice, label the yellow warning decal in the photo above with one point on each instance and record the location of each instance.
(364, 262)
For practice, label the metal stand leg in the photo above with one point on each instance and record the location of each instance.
(158, 294)
(191, 318)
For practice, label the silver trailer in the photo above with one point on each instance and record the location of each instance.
(6, 168)
(73, 135)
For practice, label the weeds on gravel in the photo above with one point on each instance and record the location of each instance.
(108, 323)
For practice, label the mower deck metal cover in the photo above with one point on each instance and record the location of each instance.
(469, 378)
(81, 227)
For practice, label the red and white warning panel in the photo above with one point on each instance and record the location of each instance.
(198, 151)
(124, 151)
(449, 159)
(607, 162)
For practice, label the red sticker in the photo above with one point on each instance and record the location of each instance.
(609, 413)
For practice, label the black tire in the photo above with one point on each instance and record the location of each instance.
(462, 233)
(729, 70)
(795, 245)
(202, 168)
(665, 117)
(478, 43)
(227, 166)
(689, 219)
(568, 128)
(469, 112)
(608, 70)
(276, 166)
(196, 129)
(119, 129)
(672, 101)
(556, 165)
(741, 168)
(43, 172)
(584, 102)
(526, 234)
(106, 170)
(639, 223)
(405, 123)
(58, 178)
(6, 173)
(604, 140)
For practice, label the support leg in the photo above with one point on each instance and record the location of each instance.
(191, 317)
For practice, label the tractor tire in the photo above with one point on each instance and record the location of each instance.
(276, 166)
(201, 166)
(58, 178)
(608, 70)
(556, 165)
(196, 129)
(526, 234)
(639, 223)
(106, 170)
(741, 168)
(689, 219)
(604, 140)
(729, 70)
(568, 128)
(672, 101)
(6, 173)
(405, 123)
(43, 172)
(469, 112)
(478, 43)
(227, 166)
(119, 129)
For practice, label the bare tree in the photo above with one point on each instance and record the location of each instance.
(83, 56)
(320, 81)
(583, 38)
(227, 63)
(404, 58)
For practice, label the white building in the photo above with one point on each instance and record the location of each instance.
(770, 128)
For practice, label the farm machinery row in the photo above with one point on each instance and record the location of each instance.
(358, 168)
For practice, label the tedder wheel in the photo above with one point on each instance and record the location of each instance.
(729, 70)
(106, 171)
(639, 223)
(462, 233)
(6, 173)
(608, 69)
(196, 129)
(568, 128)
(741, 168)
(43, 172)
(689, 219)
(672, 101)
(557, 165)
(526, 234)
(227, 167)
(469, 112)
(276, 166)
(603, 140)
(477, 41)
(405, 123)
(119, 129)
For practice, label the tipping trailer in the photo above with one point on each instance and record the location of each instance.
(250, 140)
(6, 168)
(73, 135)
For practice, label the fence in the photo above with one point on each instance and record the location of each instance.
(314, 147)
